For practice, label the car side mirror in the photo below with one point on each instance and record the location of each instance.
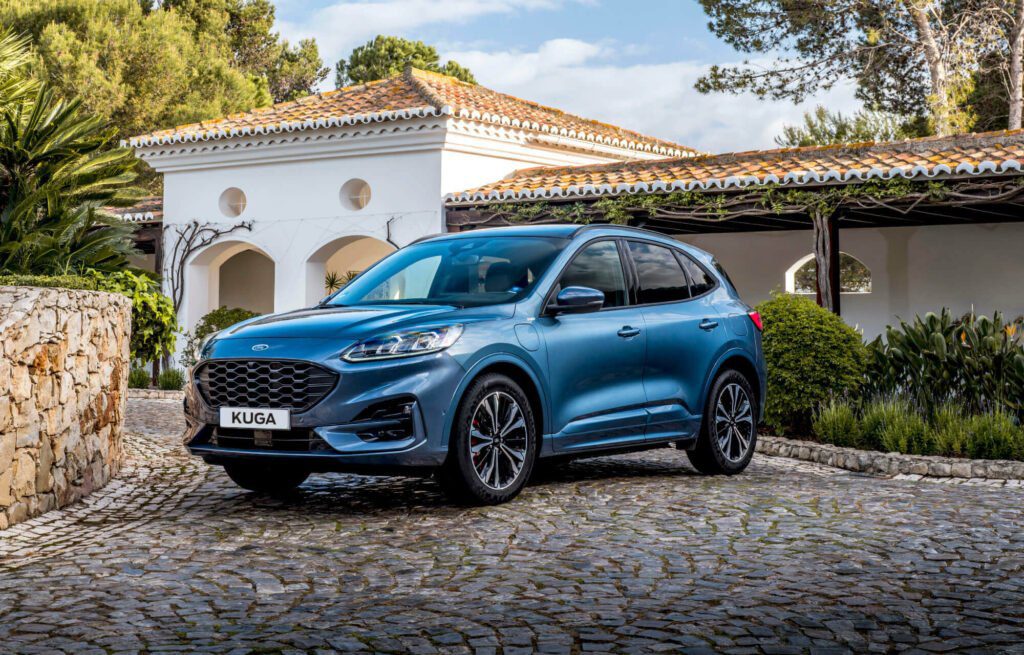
(577, 300)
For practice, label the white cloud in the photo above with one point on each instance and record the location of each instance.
(656, 99)
(340, 27)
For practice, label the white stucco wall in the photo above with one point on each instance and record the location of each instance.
(914, 269)
(299, 220)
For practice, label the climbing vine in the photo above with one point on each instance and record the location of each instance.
(899, 195)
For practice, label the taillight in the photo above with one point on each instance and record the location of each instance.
(756, 319)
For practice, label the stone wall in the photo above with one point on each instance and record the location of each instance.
(64, 370)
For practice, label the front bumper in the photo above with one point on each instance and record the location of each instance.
(350, 428)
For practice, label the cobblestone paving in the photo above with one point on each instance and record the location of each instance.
(626, 554)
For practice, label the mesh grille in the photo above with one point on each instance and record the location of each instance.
(264, 384)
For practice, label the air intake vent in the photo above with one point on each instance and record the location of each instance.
(266, 384)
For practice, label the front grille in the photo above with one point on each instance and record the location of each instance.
(265, 384)
(293, 441)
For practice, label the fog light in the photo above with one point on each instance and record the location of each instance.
(387, 421)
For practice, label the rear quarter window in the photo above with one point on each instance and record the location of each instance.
(700, 280)
(725, 276)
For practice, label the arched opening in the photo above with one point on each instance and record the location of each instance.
(336, 262)
(228, 274)
(854, 276)
(247, 282)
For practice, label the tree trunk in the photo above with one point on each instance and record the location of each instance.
(1016, 73)
(156, 370)
(936, 66)
(826, 259)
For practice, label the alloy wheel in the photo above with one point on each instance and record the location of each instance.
(734, 422)
(498, 440)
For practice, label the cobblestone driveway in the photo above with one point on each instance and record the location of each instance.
(628, 554)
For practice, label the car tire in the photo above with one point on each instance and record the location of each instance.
(728, 433)
(493, 445)
(272, 480)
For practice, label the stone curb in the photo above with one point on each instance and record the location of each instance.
(155, 394)
(867, 461)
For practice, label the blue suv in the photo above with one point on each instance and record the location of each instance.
(474, 355)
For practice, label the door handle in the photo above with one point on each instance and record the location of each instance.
(707, 324)
(628, 331)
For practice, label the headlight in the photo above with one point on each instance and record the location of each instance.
(404, 344)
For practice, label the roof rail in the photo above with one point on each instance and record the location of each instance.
(428, 237)
(601, 226)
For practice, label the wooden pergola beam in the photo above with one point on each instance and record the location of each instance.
(826, 259)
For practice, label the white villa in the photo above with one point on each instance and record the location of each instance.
(258, 207)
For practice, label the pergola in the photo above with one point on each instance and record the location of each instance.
(975, 178)
(148, 216)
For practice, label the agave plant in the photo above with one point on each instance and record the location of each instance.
(333, 281)
(57, 167)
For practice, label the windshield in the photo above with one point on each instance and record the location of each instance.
(466, 272)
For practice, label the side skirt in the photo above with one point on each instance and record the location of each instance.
(681, 443)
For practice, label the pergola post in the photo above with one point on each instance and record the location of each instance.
(826, 258)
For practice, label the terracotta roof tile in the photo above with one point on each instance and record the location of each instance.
(147, 210)
(412, 93)
(971, 154)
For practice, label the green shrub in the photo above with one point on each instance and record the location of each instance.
(950, 429)
(895, 425)
(812, 355)
(994, 435)
(154, 322)
(836, 422)
(218, 319)
(138, 378)
(171, 379)
(908, 433)
(59, 281)
(879, 413)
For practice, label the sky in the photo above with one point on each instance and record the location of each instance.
(631, 63)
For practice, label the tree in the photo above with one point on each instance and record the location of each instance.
(907, 57)
(57, 168)
(255, 49)
(822, 127)
(138, 70)
(291, 71)
(386, 56)
(296, 71)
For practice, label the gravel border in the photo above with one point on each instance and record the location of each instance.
(869, 461)
(156, 394)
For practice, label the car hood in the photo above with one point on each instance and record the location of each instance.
(338, 322)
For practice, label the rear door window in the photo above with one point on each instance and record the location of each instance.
(660, 277)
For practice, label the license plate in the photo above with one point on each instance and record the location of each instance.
(261, 419)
